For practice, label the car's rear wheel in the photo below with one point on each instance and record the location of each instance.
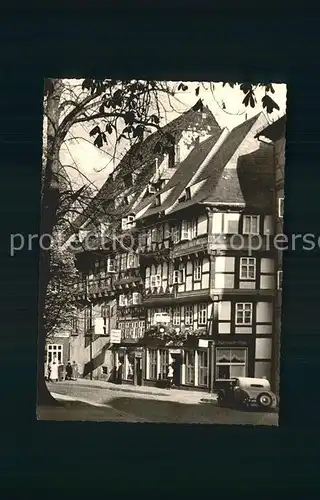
(264, 400)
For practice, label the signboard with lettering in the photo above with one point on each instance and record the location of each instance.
(174, 351)
(203, 343)
(115, 336)
(162, 318)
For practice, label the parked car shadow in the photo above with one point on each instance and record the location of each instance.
(173, 412)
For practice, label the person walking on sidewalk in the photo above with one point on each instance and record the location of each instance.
(54, 371)
(49, 372)
(68, 371)
(74, 370)
(170, 375)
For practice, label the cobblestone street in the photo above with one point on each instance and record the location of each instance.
(103, 401)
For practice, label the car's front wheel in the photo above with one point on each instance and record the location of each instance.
(264, 400)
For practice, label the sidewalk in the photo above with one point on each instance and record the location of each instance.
(178, 395)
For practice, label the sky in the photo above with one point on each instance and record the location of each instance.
(95, 165)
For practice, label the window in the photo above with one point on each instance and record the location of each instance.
(55, 352)
(75, 324)
(155, 281)
(202, 314)
(130, 220)
(149, 239)
(279, 280)
(122, 300)
(188, 194)
(123, 261)
(160, 234)
(251, 224)
(111, 265)
(244, 314)
(179, 276)
(153, 364)
(142, 239)
(164, 363)
(176, 316)
(203, 368)
(124, 223)
(151, 189)
(197, 269)
(188, 315)
(131, 260)
(87, 319)
(194, 227)
(154, 235)
(189, 367)
(230, 363)
(185, 230)
(247, 268)
(175, 234)
(136, 298)
(280, 207)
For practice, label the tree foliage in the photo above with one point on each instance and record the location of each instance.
(59, 303)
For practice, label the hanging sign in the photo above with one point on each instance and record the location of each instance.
(115, 336)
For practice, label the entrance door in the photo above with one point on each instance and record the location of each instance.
(138, 369)
(176, 365)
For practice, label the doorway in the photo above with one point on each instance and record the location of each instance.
(138, 371)
(176, 365)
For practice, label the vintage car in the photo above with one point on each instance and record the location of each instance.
(245, 392)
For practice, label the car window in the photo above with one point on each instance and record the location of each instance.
(256, 385)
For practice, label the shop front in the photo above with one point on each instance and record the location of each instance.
(190, 366)
(129, 359)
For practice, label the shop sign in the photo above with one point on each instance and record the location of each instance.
(231, 344)
(162, 318)
(203, 343)
(115, 336)
(174, 351)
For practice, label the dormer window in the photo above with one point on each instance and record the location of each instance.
(188, 194)
(151, 189)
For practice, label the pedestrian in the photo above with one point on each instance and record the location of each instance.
(68, 371)
(170, 375)
(74, 370)
(49, 372)
(54, 371)
(60, 371)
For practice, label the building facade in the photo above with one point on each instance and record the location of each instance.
(274, 135)
(191, 278)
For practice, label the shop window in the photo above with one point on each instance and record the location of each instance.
(164, 363)
(230, 363)
(189, 356)
(153, 364)
(203, 368)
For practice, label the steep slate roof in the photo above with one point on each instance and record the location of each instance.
(226, 185)
(275, 130)
(140, 159)
(184, 173)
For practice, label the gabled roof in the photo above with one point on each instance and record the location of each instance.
(221, 184)
(141, 160)
(275, 130)
(183, 174)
